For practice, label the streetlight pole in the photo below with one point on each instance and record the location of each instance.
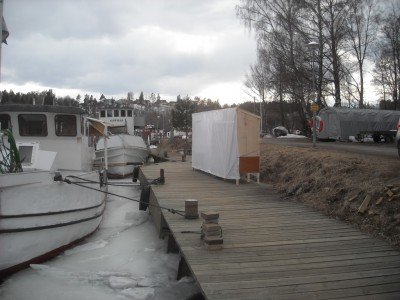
(313, 45)
(158, 133)
(261, 118)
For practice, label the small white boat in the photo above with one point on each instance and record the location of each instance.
(41, 217)
(124, 151)
(124, 148)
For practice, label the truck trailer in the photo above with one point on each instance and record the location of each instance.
(339, 123)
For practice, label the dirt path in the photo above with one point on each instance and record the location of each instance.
(352, 187)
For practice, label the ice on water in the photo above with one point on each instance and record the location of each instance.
(124, 259)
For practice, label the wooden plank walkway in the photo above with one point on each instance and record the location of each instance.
(273, 248)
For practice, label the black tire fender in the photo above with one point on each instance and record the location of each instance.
(144, 198)
(135, 175)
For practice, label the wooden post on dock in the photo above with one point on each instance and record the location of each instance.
(191, 209)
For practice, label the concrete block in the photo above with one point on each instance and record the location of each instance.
(209, 215)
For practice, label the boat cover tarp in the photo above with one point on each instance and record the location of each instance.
(341, 123)
(122, 141)
(215, 147)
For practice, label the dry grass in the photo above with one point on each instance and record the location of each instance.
(336, 184)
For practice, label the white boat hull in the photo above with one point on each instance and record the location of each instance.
(39, 218)
(123, 152)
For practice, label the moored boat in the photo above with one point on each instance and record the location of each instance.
(40, 216)
(125, 149)
(124, 152)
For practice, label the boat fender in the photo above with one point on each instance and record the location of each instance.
(135, 175)
(144, 198)
(57, 176)
(103, 177)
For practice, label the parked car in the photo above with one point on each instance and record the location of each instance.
(297, 132)
(279, 131)
(397, 142)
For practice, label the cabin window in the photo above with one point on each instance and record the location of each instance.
(32, 125)
(116, 113)
(102, 114)
(65, 125)
(5, 121)
(129, 113)
(109, 113)
(123, 113)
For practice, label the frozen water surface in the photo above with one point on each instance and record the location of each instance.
(124, 259)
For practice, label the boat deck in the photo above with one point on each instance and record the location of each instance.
(272, 248)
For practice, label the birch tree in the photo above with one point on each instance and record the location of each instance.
(362, 30)
(391, 31)
(279, 29)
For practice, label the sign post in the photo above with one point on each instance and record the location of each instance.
(314, 109)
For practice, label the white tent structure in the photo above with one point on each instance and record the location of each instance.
(225, 143)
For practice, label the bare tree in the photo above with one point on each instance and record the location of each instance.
(362, 30)
(279, 28)
(384, 77)
(345, 31)
(391, 30)
(335, 14)
(259, 79)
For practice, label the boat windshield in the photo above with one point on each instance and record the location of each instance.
(5, 121)
(32, 125)
(65, 125)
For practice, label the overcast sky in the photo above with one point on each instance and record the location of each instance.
(187, 47)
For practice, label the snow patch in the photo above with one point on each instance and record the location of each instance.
(122, 282)
(292, 136)
(87, 247)
(139, 293)
(137, 217)
(39, 267)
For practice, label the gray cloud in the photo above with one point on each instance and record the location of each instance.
(166, 46)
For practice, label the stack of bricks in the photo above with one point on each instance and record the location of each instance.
(211, 231)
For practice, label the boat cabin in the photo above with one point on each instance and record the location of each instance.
(122, 120)
(59, 131)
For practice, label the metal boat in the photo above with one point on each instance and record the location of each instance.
(40, 216)
(122, 147)
(124, 152)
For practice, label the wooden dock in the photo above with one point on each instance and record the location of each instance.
(273, 248)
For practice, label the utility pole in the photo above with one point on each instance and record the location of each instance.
(261, 118)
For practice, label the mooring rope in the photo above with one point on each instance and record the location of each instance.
(84, 180)
(171, 210)
(154, 181)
